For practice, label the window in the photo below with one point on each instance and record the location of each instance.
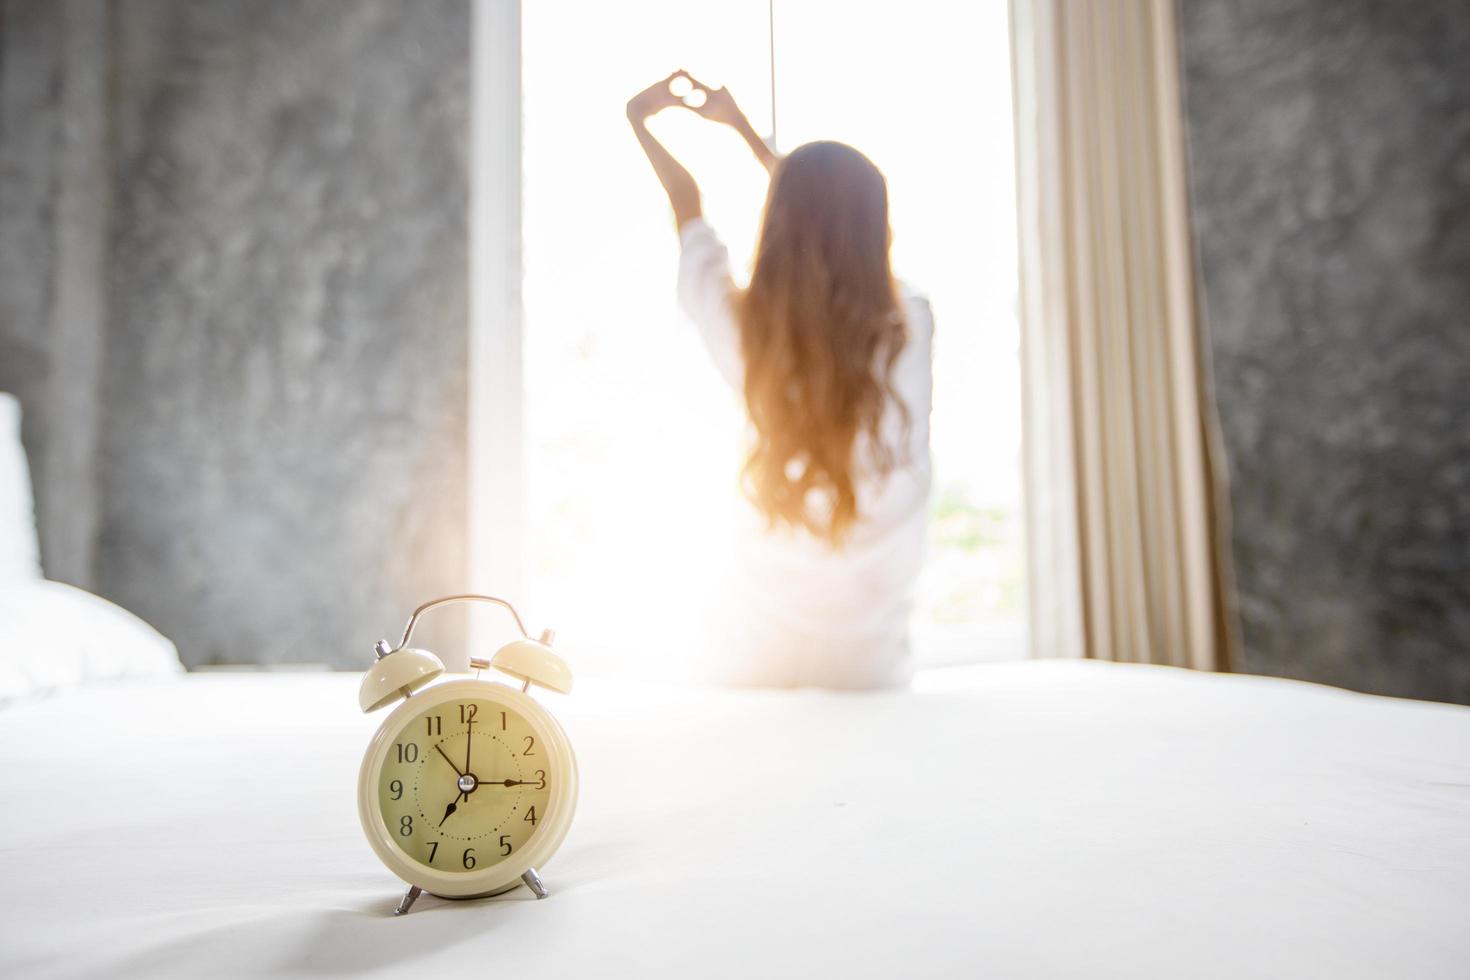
(631, 441)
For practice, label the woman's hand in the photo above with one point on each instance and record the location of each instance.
(718, 105)
(654, 99)
(714, 104)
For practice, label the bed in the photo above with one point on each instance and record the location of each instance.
(1036, 819)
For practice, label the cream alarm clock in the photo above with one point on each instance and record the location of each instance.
(470, 785)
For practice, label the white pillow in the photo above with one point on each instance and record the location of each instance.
(20, 551)
(54, 637)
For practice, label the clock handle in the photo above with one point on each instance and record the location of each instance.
(449, 599)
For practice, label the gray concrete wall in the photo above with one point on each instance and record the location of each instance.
(280, 437)
(53, 227)
(1330, 157)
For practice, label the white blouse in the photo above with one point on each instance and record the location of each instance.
(799, 612)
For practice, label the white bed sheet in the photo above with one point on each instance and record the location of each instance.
(1035, 819)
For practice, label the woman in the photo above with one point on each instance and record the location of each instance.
(832, 356)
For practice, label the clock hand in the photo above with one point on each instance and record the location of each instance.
(453, 805)
(469, 740)
(449, 760)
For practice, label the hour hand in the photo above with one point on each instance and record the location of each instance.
(453, 805)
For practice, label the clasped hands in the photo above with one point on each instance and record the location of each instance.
(683, 89)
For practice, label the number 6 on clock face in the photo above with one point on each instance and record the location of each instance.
(466, 786)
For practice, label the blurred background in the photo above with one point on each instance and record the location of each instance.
(237, 306)
(620, 395)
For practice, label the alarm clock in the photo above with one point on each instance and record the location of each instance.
(469, 785)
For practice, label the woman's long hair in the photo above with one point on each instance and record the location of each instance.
(820, 330)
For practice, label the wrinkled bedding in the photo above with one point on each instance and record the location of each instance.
(1037, 819)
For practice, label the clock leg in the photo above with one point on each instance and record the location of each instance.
(533, 882)
(406, 903)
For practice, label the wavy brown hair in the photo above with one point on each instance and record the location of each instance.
(820, 330)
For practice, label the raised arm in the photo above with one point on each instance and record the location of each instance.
(678, 183)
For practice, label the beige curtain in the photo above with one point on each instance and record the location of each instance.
(1127, 559)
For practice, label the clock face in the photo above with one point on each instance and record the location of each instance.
(465, 784)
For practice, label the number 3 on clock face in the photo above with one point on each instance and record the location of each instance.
(467, 785)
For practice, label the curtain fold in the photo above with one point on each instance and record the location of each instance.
(1127, 553)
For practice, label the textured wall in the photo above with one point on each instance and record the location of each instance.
(1330, 145)
(53, 214)
(281, 422)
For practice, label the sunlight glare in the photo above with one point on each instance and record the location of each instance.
(633, 440)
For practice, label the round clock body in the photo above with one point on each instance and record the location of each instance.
(466, 786)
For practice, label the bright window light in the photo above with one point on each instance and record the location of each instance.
(632, 441)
